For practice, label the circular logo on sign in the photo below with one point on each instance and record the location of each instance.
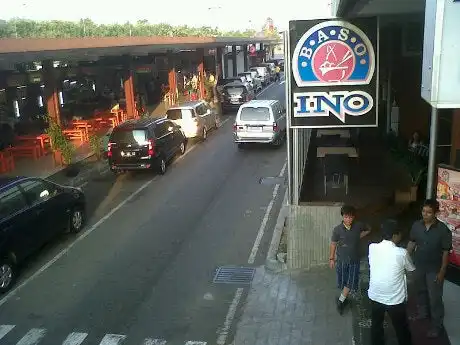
(333, 53)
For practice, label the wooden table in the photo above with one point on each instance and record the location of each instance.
(41, 139)
(344, 133)
(321, 152)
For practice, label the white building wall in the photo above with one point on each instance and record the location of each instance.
(239, 64)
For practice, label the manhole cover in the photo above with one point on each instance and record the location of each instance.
(234, 275)
(272, 180)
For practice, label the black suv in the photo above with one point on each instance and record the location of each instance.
(145, 144)
(32, 212)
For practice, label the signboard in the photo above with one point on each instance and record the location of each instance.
(252, 50)
(448, 196)
(334, 73)
(441, 47)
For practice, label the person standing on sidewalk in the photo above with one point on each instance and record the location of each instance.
(388, 284)
(344, 248)
(430, 241)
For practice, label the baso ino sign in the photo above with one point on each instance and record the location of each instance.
(334, 73)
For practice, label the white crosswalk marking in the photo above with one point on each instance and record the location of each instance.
(112, 339)
(154, 342)
(32, 337)
(35, 336)
(75, 338)
(5, 329)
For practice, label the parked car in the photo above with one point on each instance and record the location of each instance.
(195, 118)
(250, 77)
(32, 212)
(145, 144)
(221, 82)
(271, 69)
(260, 121)
(264, 74)
(235, 94)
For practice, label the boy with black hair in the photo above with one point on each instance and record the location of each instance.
(388, 284)
(430, 241)
(344, 253)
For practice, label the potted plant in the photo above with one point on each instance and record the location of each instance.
(63, 150)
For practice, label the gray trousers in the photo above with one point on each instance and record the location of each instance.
(429, 296)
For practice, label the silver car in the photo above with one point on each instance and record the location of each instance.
(195, 118)
(260, 121)
(251, 78)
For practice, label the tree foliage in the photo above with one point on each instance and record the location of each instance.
(26, 28)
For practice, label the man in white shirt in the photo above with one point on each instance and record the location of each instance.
(388, 285)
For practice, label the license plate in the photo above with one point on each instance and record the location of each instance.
(255, 129)
(127, 154)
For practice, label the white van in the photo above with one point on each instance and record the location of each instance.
(260, 121)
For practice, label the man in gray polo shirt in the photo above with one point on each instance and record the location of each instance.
(430, 241)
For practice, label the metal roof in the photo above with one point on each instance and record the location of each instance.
(91, 48)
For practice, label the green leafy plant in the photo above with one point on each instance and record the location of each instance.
(95, 143)
(59, 142)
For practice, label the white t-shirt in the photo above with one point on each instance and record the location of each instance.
(388, 265)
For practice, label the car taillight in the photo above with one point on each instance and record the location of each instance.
(235, 127)
(151, 147)
(109, 150)
(275, 127)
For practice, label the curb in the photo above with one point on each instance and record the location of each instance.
(271, 262)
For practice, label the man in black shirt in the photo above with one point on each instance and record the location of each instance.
(345, 249)
(430, 241)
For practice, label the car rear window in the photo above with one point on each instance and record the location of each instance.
(129, 136)
(255, 114)
(179, 114)
(235, 90)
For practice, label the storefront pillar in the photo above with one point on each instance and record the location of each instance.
(431, 176)
(51, 91)
(245, 57)
(172, 78)
(201, 76)
(219, 61)
(128, 85)
(234, 61)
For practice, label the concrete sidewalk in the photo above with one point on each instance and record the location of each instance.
(293, 308)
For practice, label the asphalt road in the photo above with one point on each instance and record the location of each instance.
(145, 269)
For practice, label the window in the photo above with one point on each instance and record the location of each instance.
(11, 202)
(255, 114)
(161, 129)
(179, 114)
(201, 110)
(129, 136)
(37, 191)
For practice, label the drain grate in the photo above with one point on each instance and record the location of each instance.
(234, 275)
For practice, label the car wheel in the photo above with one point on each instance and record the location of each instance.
(182, 148)
(76, 220)
(7, 275)
(204, 134)
(162, 166)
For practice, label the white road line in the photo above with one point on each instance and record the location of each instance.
(195, 343)
(32, 337)
(42, 269)
(223, 334)
(5, 329)
(282, 82)
(224, 122)
(112, 339)
(75, 338)
(260, 233)
(268, 87)
(154, 342)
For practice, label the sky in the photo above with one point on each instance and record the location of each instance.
(225, 14)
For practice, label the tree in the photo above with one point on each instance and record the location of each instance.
(26, 28)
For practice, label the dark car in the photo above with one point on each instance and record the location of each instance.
(145, 144)
(32, 212)
(235, 94)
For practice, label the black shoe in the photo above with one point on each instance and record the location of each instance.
(340, 307)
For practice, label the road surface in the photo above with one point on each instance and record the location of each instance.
(142, 272)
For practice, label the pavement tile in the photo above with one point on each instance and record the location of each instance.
(293, 308)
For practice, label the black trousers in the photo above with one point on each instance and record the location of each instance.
(398, 316)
